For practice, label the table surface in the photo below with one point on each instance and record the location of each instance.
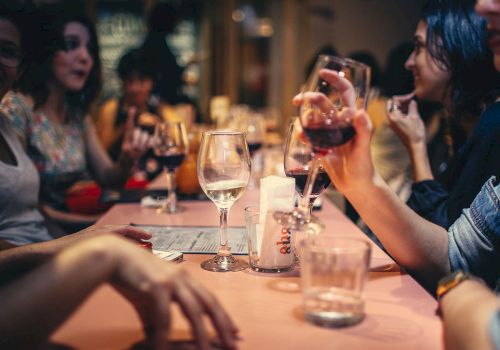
(266, 307)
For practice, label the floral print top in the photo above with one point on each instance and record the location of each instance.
(57, 150)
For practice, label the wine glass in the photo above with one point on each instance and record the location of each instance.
(298, 160)
(170, 145)
(334, 91)
(223, 172)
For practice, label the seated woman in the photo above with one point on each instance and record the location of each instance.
(49, 114)
(471, 243)
(452, 66)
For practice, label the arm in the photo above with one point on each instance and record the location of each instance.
(147, 282)
(411, 130)
(111, 174)
(17, 260)
(413, 242)
(467, 310)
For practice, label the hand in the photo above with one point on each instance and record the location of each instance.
(409, 127)
(350, 166)
(151, 285)
(343, 86)
(135, 141)
(129, 232)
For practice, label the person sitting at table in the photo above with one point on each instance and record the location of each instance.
(49, 114)
(38, 287)
(40, 300)
(452, 66)
(419, 245)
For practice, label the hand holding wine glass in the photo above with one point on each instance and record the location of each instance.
(335, 90)
(333, 93)
(170, 145)
(223, 172)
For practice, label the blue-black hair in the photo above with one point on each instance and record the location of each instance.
(456, 41)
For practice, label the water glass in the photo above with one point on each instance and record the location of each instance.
(269, 242)
(333, 274)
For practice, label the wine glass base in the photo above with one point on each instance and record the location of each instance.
(220, 263)
(178, 209)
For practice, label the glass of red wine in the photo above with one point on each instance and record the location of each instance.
(170, 145)
(298, 160)
(336, 88)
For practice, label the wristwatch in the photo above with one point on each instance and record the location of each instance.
(449, 282)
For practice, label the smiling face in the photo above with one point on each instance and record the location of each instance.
(72, 64)
(10, 42)
(491, 10)
(430, 79)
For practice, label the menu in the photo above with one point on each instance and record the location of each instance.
(196, 239)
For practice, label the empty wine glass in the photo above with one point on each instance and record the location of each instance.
(223, 172)
(298, 161)
(170, 145)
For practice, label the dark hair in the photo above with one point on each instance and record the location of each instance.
(18, 16)
(134, 62)
(48, 27)
(367, 58)
(456, 41)
(163, 18)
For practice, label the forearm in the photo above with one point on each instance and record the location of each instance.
(466, 311)
(420, 162)
(414, 242)
(34, 305)
(59, 216)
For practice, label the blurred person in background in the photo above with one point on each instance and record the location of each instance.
(49, 113)
(37, 281)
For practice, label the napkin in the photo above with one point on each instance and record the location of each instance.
(276, 195)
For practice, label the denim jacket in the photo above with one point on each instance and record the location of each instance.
(474, 238)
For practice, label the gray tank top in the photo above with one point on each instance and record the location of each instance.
(20, 220)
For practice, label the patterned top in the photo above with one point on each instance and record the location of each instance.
(57, 150)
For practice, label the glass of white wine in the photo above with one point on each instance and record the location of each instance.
(223, 173)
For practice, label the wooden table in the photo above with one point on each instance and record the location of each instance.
(266, 307)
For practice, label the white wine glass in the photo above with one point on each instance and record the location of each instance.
(223, 172)
(170, 146)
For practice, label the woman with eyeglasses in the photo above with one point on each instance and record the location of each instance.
(50, 114)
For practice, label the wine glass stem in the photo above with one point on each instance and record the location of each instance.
(172, 197)
(224, 248)
(306, 202)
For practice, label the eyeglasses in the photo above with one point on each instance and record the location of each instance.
(10, 56)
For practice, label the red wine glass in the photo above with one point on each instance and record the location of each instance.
(170, 145)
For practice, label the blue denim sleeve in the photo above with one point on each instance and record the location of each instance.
(494, 329)
(474, 238)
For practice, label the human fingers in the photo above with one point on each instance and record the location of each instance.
(364, 128)
(131, 232)
(221, 320)
(342, 84)
(158, 331)
(130, 123)
(192, 309)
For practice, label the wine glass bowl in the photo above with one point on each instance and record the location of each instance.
(335, 89)
(223, 172)
(170, 146)
(298, 161)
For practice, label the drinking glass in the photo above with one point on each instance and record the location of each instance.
(170, 145)
(298, 161)
(333, 273)
(334, 91)
(223, 172)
